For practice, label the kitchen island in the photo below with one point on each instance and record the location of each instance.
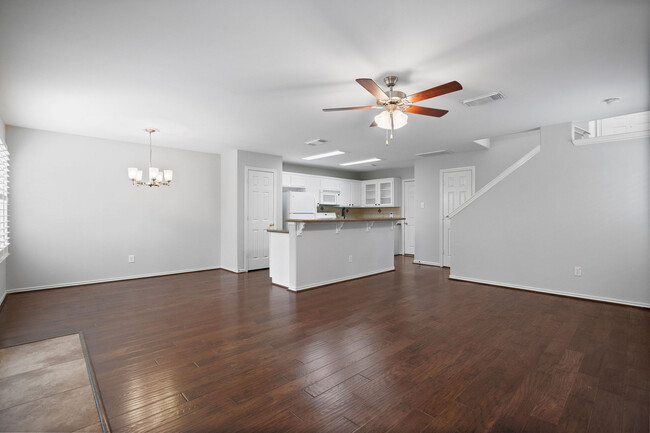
(312, 253)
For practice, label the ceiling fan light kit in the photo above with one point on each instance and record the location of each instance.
(157, 177)
(396, 104)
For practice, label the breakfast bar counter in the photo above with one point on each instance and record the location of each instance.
(312, 253)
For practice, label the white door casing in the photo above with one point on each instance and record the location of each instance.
(408, 191)
(260, 216)
(457, 187)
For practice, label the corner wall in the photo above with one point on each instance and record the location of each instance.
(233, 190)
(76, 217)
(489, 163)
(586, 206)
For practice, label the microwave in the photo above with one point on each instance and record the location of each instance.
(329, 196)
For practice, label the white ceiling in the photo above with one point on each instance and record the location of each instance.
(254, 75)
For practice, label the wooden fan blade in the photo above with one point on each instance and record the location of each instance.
(426, 111)
(435, 91)
(350, 108)
(373, 124)
(373, 88)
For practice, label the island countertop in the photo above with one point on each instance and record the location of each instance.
(343, 220)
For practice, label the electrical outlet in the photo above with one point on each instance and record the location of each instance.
(350, 258)
(131, 258)
(577, 271)
(421, 205)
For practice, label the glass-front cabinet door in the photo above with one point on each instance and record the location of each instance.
(369, 194)
(386, 192)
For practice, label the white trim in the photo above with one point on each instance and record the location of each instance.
(404, 215)
(3, 297)
(505, 173)
(109, 280)
(236, 271)
(554, 292)
(441, 222)
(247, 168)
(338, 280)
(608, 138)
(423, 262)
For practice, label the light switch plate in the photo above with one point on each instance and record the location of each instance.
(421, 205)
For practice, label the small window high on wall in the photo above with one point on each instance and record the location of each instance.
(627, 127)
(4, 201)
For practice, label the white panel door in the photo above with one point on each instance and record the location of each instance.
(458, 186)
(409, 214)
(261, 216)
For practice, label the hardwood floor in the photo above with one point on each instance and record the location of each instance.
(402, 351)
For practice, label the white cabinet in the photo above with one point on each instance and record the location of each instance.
(345, 198)
(355, 193)
(312, 184)
(350, 193)
(294, 180)
(379, 192)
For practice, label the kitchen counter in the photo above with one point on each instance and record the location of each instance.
(343, 220)
(313, 253)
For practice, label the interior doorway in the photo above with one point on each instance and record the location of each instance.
(408, 234)
(456, 187)
(259, 215)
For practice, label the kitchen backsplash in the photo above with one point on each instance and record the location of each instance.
(362, 212)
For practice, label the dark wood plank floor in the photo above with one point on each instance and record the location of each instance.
(402, 351)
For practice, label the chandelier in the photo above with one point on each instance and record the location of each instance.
(156, 177)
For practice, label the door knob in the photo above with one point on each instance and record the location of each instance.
(271, 225)
(406, 223)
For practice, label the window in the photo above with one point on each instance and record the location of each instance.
(4, 201)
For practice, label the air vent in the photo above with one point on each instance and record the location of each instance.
(435, 152)
(316, 142)
(472, 102)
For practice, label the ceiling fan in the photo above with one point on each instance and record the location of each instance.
(396, 104)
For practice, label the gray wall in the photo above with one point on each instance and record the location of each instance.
(76, 217)
(489, 163)
(320, 171)
(569, 206)
(402, 173)
(229, 216)
(234, 184)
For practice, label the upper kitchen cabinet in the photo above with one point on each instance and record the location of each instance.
(379, 192)
(350, 193)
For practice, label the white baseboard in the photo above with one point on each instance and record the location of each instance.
(2, 298)
(338, 280)
(423, 262)
(552, 292)
(108, 280)
(234, 271)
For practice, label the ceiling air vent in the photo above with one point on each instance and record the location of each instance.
(316, 142)
(491, 97)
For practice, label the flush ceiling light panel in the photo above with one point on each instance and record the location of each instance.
(435, 152)
(323, 155)
(491, 97)
(316, 142)
(363, 161)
